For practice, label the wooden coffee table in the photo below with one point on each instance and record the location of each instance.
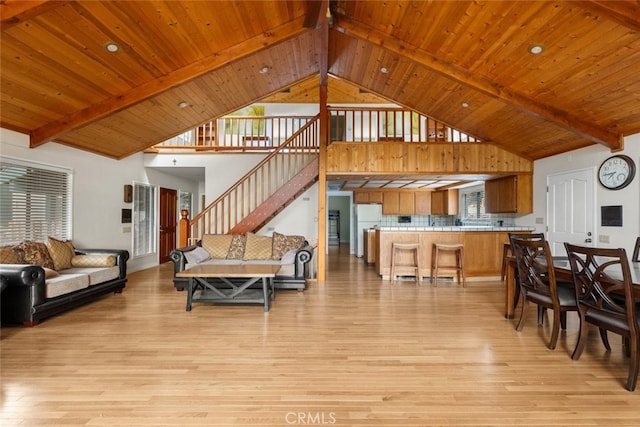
(222, 290)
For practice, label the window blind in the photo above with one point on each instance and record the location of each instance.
(35, 202)
(144, 219)
(473, 208)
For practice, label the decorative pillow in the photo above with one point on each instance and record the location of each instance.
(8, 255)
(257, 247)
(197, 255)
(283, 244)
(93, 261)
(236, 249)
(35, 253)
(217, 244)
(61, 253)
(48, 273)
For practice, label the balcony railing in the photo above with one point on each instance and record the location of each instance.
(348, 124)
(238, 133)
(390, 124)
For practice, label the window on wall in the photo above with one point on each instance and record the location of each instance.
(185, 201)
(473, 210)
(144, 219)
(35, 201)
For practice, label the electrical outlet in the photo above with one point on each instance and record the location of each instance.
(603, 238)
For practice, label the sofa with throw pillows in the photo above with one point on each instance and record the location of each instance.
(47, 278)
(291, 253)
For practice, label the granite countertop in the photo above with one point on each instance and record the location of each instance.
(459, 228)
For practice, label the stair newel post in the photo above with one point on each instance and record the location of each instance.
(184, 228)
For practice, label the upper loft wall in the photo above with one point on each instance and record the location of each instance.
(424, 159)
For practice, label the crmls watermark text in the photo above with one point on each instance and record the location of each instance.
(310, 418)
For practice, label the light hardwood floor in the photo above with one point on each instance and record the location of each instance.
(355, 351)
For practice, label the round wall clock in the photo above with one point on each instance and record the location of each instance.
(616, 172)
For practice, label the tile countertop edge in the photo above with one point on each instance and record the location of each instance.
(454, 228)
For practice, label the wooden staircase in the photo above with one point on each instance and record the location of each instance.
(278, 201)
(264, 191)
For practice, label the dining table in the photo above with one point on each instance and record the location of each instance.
(562, 269)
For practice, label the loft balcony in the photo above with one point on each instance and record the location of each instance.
(347, 124)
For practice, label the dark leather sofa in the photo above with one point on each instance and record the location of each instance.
(24, 298)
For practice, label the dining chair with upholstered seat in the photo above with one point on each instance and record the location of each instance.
(512, 237)
(538, 284)
(636, 251)
(606, 299)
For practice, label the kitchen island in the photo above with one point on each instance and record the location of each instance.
(482, 248)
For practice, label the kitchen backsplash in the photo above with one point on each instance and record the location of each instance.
(442, 220)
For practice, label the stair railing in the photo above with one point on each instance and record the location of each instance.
(243, 197)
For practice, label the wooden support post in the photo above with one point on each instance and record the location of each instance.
(324, 141)
(183, 229)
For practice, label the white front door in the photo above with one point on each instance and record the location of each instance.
(570, 209)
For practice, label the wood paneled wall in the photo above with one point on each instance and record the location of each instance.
(438, 158)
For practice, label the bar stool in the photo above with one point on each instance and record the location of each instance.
(458, 250)
(396, 249)
(506, 253)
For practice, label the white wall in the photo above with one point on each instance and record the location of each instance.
(98, 190)
(592, 157)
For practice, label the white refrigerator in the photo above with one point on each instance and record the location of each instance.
(366, 216)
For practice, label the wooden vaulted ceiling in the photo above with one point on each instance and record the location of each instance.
(59, 82)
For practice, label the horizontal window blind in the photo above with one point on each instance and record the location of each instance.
(473, 210)
(35, 202)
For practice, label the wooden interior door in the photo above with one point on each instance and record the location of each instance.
(168, 222)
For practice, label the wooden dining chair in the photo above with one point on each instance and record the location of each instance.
(636, 251)
(516, 293)
(538, 285)
(606, 299)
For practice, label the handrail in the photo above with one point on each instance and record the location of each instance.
(237, 133)
(347, 124)
(378, 124)
(259, 183)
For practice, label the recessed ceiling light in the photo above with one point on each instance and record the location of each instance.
(384, 70)
(111, 47)
(465, 105)
(536, 49)
(264, 70)
(183, 104)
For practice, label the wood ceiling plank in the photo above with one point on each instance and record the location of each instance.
(277, 35)
(452, 72)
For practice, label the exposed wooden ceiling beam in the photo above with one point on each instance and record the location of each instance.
(14, 12)
(624, 13)
(323, 21)
(460, 75)
(138, 94)
(314, 9)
